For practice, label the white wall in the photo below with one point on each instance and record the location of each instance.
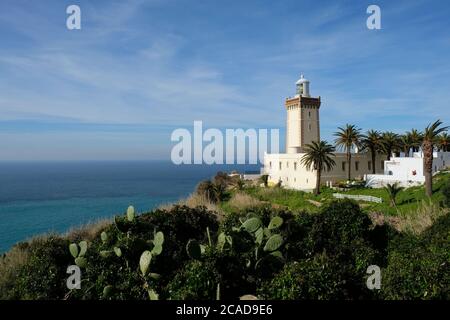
(293, 174)
(401, 170)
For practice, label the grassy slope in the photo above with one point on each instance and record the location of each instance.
(408, 200)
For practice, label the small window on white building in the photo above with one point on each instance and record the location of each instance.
(287, 164)
(270, 164)
(369, 165)
(295, 165)
(280, 165)
(357, 165)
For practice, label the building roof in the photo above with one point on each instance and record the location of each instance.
(302, 80)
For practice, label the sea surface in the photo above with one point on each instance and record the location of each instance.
(41, 197)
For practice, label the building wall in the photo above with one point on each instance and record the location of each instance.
(302, 122)
(288, 169)
(310, 124)
(408, 171)
(293, 120)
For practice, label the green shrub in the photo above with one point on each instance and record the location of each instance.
(196, 281)
(419, 267)
(318, 278)
(44, 274)
(179, 225)
(336, 226)
(446, 192)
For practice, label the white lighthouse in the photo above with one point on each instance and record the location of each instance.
(302, 122)
(302, 128)
(302, 87)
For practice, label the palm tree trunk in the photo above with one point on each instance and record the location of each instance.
(317, 191)
(349, 161)
(428, 167)
(373, 161)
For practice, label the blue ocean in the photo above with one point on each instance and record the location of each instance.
(41, 197)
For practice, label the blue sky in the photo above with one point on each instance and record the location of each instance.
(139, 69)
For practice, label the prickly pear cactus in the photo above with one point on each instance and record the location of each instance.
(104, 237)
(83, 248)
(73, 248)
(130, 214)
(273, 243)
(81, 262)
(252, 224)
(118, 251)
(275, 223)
(107, 291)
(144, 262)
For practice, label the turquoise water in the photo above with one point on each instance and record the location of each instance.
(37, 198)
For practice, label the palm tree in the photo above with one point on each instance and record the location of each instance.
(429, 138)
(318, 155)
(393, 190)
(347, 138)
(416, 139)
(406, 143)
(372, 142)
(443, 142)
(390, 143)
(239, 184)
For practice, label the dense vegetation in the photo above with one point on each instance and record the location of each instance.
(265, 251)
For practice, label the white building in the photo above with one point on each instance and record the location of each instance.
(303, 127)
(407, 171)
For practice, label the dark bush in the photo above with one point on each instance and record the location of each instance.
(318, 278)
(43, 276)
(446, 192)
(196, 281)
(179, 225)
(419, 267)
(336, 226)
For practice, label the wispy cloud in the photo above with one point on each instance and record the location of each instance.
(157, 64)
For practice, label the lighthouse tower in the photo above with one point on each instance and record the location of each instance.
(302, 125)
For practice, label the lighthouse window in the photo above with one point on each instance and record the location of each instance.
(356, 165)
(309, 127)
(309, 114)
